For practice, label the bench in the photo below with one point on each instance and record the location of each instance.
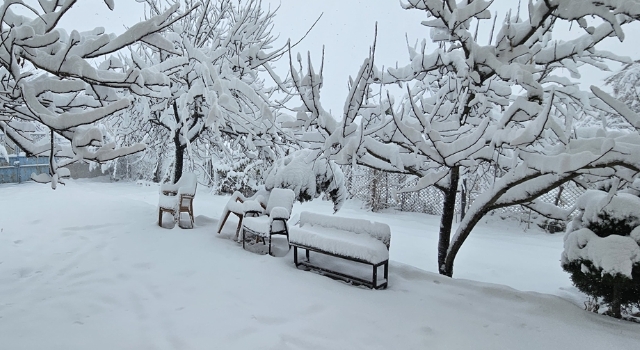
(356, 240)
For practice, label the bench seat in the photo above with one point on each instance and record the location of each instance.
(339, 242)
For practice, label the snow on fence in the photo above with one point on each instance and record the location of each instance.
(19, 168)
(379, 190)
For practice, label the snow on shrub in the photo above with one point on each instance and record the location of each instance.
(239, 174)
(602, 248)
(308, 173)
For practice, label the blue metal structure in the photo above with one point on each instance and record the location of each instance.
(20, 168)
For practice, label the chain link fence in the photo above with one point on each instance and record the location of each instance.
(381, 190)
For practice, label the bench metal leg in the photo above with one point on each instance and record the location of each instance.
(386, 270)
(375, 276)
(307, 255)
(295, 255)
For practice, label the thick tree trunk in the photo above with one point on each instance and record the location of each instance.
(446, 220)
(179, 162)
(463, 232)
(616, 303)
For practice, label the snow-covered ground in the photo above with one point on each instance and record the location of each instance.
(87, 267)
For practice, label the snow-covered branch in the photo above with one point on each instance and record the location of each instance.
(216, 99)
(49, 81)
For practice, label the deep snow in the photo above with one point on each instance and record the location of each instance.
(87, 267)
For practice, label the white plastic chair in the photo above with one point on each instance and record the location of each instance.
(235, 206)
(178, 198)
(269, 221)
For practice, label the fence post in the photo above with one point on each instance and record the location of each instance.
(17, 165)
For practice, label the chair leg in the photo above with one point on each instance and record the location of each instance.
(240, 217)
(160, 217)
(224, 221)
(193, 220)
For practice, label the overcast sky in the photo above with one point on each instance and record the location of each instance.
(346, 29)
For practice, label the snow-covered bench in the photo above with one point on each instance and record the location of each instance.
(178, 198)
(356, 240)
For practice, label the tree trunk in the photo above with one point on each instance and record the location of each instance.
(616, 303)
(463, 199)
(156, 174)
(464, 230)
(177, 170)
(446, 220)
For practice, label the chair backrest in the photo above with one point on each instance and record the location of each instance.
(187, 184)
(185, 202)
(281, 197)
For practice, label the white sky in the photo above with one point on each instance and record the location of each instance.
(346, 30)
